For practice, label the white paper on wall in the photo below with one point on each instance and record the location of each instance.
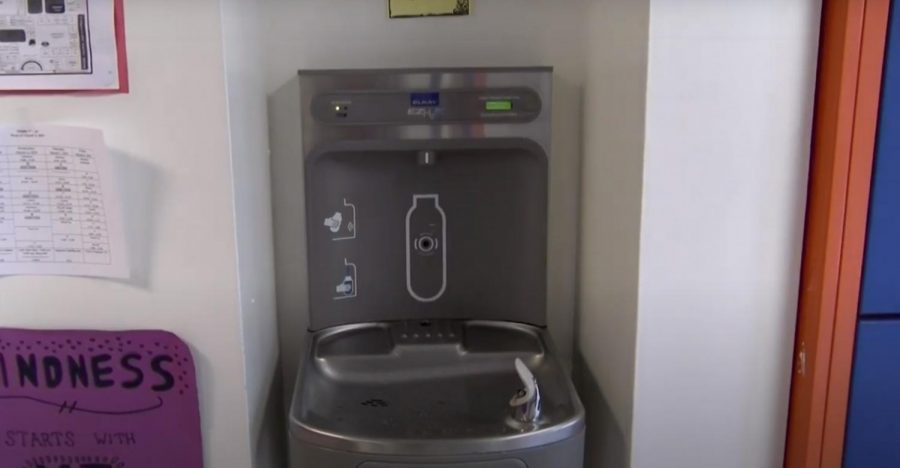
(60, 212)
(58, 45)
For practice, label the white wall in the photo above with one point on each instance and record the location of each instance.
(611, 191)
(242, 30)
(358, 34)
(729, 107)
(170, 144)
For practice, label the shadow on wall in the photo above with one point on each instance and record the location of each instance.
(564, 214)
(139, 187)
(605, 443)
(271, 442)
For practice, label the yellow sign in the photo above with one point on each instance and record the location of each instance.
(416, 8)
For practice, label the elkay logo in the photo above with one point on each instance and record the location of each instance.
(425, 105)
(425, 99)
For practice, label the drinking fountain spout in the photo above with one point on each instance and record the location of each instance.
(526, 403)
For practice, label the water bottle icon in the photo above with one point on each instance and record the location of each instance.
(426, 248)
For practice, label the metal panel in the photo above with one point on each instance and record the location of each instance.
(441, 388)
(316, 82)
(474, 144)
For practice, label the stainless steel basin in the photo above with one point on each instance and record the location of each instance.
(430, 388)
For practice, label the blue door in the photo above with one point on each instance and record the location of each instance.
(873, 424)
(881, 274)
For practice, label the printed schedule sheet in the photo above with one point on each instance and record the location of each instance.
(59, 212)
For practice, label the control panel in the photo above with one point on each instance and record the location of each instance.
(514, 105)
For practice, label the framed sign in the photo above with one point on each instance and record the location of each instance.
(90, 399)
(62, 46)
(419, 8)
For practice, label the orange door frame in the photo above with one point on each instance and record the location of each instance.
(851, 57)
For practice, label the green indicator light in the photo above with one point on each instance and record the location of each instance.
(498, 105)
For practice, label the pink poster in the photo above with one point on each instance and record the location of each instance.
(90, 399)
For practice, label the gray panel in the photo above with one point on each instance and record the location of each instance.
(317, 132)
(480, 251)
(493, 105)
(509, 463)
(391, 238)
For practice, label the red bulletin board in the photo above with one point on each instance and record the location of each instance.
(119, 16)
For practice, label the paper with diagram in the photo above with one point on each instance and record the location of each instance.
(59, 209)
(58, 45)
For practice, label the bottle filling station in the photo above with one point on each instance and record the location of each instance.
(424, 200)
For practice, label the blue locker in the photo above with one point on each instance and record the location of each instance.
(873, 422)
(881, 273)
